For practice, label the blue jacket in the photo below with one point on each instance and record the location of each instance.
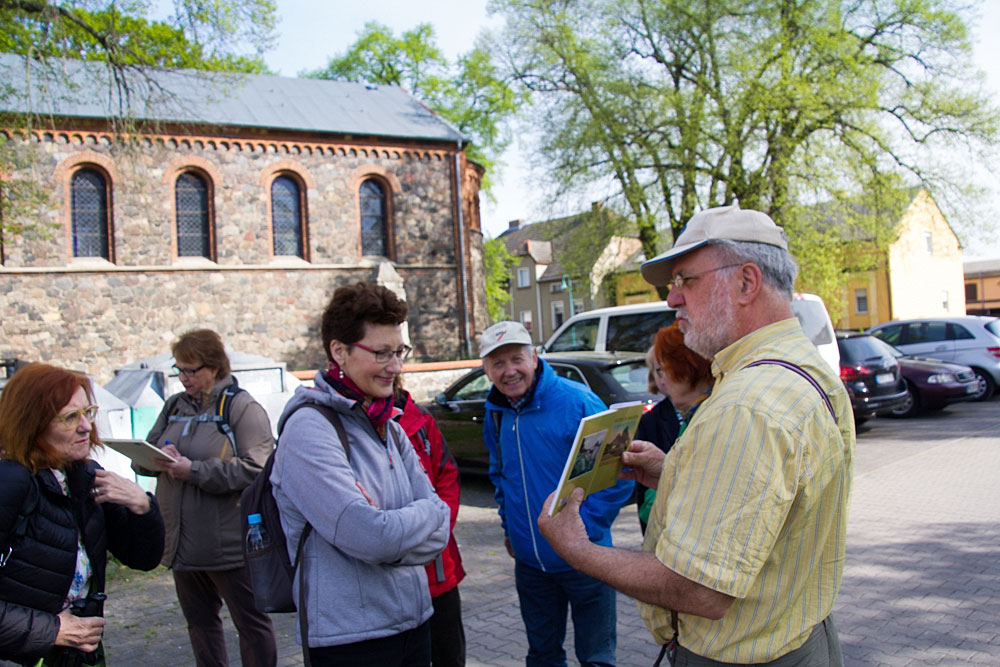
(534, 442)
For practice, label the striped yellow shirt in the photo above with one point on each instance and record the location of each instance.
(753, 499)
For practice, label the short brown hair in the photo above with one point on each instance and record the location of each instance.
(202, 346)
(31, 399)
(678, 359)
(354, 306)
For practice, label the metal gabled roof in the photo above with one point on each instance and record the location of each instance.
(86, 89)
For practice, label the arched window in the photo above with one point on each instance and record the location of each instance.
(194, 229)
(90, 214)
(374, 234)
(287, 221)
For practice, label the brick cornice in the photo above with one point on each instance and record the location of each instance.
(372, 148)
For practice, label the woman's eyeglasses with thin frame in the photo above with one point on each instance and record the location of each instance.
(70, 420)
(385, 356)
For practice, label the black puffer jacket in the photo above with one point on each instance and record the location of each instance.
(38, 573)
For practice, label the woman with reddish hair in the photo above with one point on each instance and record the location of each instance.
(60, 513)
(685, 378)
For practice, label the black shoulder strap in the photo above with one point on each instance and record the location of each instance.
(331, 416)
(798, 369)
(171, 405)
(224, 406)
(338, 425)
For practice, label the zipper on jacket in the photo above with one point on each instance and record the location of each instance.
(524, 488)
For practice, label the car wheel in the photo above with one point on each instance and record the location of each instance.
(986, 384)
(911, 406)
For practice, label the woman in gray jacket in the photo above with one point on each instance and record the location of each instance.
(376, 519)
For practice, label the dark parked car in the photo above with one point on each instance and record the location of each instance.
(871, 374)
(932, 384)
(459, 410)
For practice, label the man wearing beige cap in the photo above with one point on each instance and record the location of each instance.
(531, 420)
(744, 553)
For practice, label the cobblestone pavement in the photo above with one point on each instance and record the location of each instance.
(920, 585)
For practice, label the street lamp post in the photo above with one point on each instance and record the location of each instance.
(567, 284)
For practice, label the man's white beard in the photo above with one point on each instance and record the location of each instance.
(707, 338)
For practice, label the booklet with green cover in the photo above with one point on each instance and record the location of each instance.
(596, 456)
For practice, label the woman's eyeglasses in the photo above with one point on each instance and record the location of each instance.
(70, 420)
(385, 356)
(187, 371)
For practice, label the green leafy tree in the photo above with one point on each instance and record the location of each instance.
(215, 35)
(201, 34)
(497, 263)
(779, 104)
(470, 93)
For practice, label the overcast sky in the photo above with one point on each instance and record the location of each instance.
(311, 32)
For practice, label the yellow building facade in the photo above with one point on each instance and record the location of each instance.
(921, 274)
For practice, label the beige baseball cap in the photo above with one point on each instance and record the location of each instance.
(503, 333)
(722, 223)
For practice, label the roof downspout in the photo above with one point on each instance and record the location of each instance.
(461, 253)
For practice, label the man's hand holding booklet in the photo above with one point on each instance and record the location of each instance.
(595, 460)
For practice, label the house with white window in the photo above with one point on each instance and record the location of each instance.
(565, 266)
(919, 275)
(233, 202)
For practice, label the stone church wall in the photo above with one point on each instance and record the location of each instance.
(93, 315)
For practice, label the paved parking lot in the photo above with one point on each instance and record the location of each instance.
(920, 587)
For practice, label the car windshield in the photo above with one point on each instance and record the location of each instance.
(856, 349)
(993, 326)
(475, 389)
(631, 377)
(581, 335)
(634, 332)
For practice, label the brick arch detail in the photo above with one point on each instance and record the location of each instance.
(368, 170)
(186, 162)
(71, 163)
(271, 171)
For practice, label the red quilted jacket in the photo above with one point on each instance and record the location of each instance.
(446, 571)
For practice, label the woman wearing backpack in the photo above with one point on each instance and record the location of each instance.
(60, 514)
(220, 449)
(376, 520)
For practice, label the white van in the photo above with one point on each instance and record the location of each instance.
(818, 328)
(631, 328)
(615, 329)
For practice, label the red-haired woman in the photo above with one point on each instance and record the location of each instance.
(685, 378)
(60, 513)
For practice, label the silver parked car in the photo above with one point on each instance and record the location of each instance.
(972, 340)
